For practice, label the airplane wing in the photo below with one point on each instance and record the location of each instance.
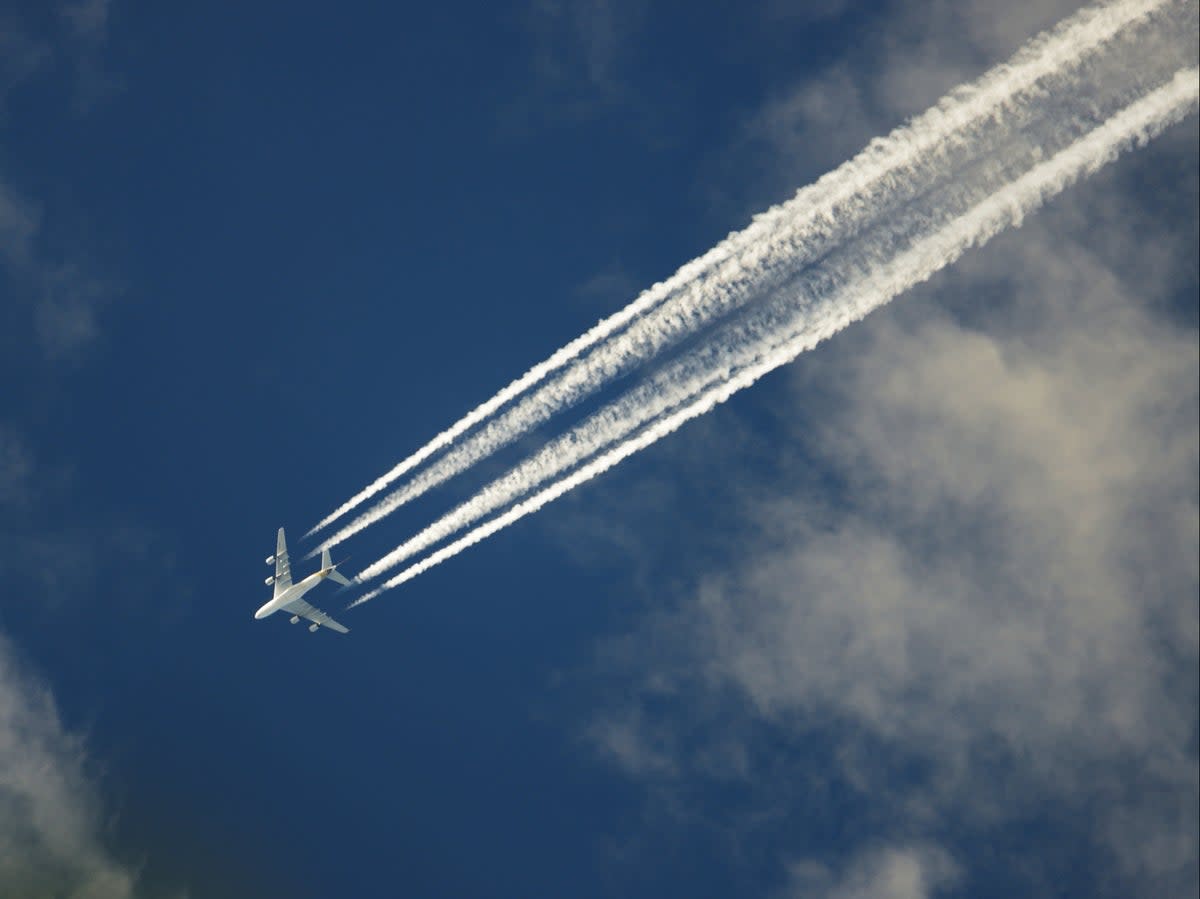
(315, 615)
(283, 568)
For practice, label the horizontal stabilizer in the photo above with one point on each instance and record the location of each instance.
(334, 574)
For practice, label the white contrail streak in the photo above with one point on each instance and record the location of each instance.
(1133, 126)
(889, 171)
(729, 348)
(721, 352)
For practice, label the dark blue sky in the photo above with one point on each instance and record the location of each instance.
(254, 255)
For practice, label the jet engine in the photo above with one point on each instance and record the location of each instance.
(269, 559)
(269, 581)
(295, 619)
(312, 628)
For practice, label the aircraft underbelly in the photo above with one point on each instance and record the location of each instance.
(296, 593)
(285, 600)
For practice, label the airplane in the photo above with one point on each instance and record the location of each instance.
(289, 597)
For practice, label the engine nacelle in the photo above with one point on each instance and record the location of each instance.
(270, 560)
(295, 619)
(312, 628)
(269, 581)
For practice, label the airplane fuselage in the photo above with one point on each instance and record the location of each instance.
(289, 597)
(292, 593)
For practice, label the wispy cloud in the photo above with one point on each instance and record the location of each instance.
(578, 52)
(892, 872)
(958, 616)
(810, 307)
(88, 19)
(52, 833)
(57, 289)
(86, 25)
(56, 828)
(21, 55)
(976, 121)
(16, 469)
(60, 297)
(19, 221)
(993, 616)
(901, 59)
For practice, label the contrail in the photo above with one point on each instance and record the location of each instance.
(1068, 111)
(888, 172)
(1133, 126)
(728, 348)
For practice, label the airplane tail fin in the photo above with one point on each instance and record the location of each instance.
(334, 575)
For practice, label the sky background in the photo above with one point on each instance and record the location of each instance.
(914, 617)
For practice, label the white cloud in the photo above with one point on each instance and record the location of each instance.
(66, 311)
(973, 572)
(894, 872)
(580, 45)
(16, 468)
(21, 55)
(19, 222)
(62, 296)
(88, 19)
(51, 831)
(1005, 590)
(579, 62)
(901, 60)
(54, 827)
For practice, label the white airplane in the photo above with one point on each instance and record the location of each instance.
(289, 597)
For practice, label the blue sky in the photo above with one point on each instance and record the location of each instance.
(913, 617)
